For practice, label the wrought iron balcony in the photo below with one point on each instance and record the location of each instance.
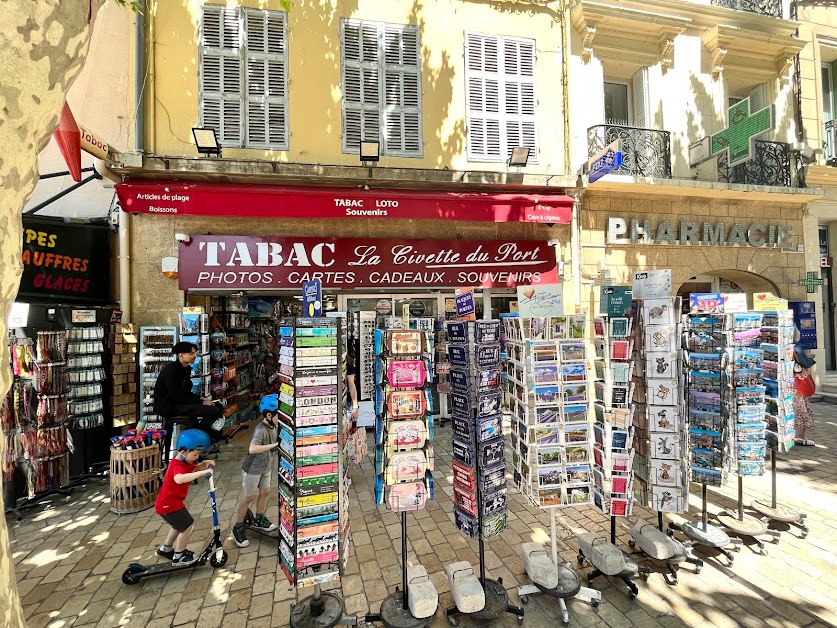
(645, 152)
(764, 7)
(829, 142)
(773, 164)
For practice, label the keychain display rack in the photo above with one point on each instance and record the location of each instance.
(479, 466)
(552, 432)
(404, 458)
(50, 456)
(154, 353)
(313, 526)
(777, 348)
(613, 341)
(660, 463)
(86, 373)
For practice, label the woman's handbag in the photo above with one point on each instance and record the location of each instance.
(805, 385)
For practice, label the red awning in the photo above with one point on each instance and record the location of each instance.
(276, 201)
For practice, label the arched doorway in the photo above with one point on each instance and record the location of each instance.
(726, 281)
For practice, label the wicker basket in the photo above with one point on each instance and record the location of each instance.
(134, 479)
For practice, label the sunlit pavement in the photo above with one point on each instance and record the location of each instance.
(70, 558)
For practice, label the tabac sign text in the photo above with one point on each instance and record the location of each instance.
(635, 231)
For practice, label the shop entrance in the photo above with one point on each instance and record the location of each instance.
(726, 281)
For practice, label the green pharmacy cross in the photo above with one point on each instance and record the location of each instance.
(738, 139)
(811, 282)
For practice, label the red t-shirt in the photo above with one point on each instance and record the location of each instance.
(172, 495)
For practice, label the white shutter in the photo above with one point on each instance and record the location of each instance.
(360, 46)
(482, 97)
(220, 73)
(520, 101)
(642, 109)
(758, 97)
(402, 91)
(266, 65)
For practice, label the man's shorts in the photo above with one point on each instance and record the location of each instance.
(251, 483)
(180, 520)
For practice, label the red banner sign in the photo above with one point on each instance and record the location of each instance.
(275, 201)
(242, 262)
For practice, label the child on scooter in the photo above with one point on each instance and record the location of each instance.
(256, 471)
(170, 504)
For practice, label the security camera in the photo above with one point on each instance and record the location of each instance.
(185, 238)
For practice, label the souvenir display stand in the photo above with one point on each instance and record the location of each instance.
(549, 400)
(706, 339)
(777, 346)
(155, 345)
(404, 461)
(313, 508)
(479, 467)
(85, 395)
(746, 405)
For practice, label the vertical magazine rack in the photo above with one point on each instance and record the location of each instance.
(313, 521)
(404, 461)
(777, 346)
(479, 466)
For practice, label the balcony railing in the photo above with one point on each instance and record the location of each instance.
(764, 7)
(645, 152)
(771, 165)
(829, 142)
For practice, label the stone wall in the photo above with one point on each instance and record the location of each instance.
(156, 300)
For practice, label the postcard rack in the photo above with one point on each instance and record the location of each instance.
(154, 353)
(313, 521)
(613, 429)
(479, 467)
(404, 458)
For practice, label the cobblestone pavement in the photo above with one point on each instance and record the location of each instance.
(69, 559)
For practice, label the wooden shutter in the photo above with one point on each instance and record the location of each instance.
(220, 73)
(758, 97)
(519, 96)
(482, 97)
(266, 65)
(642, 110)
(360, 46)
(402, 91)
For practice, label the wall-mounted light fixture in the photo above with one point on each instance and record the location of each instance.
(206, 141)
(519, 156)
(169, 267)
(370, 151)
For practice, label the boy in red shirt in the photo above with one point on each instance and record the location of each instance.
(170, 504)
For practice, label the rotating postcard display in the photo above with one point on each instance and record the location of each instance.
(661, 458)
(479, 466)
(313, 509)
(777, 348)
(613, 429)
(550, 405)
(749, 392)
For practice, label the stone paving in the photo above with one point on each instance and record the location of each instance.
(69, 559)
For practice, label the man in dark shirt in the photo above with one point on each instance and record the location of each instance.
(173, 394)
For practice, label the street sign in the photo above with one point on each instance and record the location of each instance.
(605, 161)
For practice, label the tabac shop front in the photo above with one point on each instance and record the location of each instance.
(377, 250)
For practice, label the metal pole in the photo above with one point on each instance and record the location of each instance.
(554, 538)
(404, 559)
(63, 193)
(63, 173)
(704, 515)
(740, 498)
(773, 479)
(613, 530)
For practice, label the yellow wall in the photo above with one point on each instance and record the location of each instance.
(314, 76)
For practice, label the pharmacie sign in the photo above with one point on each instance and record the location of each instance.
(688, 232)
(241, 262)
(65, 262)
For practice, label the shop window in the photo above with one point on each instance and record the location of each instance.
(244, 76)
(381, 77)
(500, 96)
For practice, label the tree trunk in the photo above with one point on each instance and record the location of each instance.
(43, 46)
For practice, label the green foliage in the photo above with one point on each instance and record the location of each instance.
(134, 6)
(286, 5)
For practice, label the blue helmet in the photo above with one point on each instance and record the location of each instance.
(269, 403)
(193, 439)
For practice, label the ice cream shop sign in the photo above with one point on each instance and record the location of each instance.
(635, 231)
(240, 262)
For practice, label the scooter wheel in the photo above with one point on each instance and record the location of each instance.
(632, 543)
(524, 599)
(595, 603)
(215, 562)
(131, 574)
